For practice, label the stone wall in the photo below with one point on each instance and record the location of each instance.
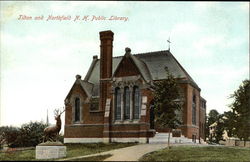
(233, 142)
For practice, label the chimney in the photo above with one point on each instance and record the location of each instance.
(106, 54)
(106, 38)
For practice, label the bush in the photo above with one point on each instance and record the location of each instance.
(30, 134)
(8, 135)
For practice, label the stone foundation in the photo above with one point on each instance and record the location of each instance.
(50, 152)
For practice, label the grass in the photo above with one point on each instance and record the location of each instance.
(191, 153)
(73, 150)
(94, 158)
(18, 155)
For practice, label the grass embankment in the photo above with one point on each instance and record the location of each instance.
(207, 153)
(73, 150)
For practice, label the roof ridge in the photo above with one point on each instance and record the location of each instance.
(136, 54)
(152, 52)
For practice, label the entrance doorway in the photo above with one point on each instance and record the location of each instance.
(152, 117)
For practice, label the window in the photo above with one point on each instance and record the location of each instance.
(136, 99)
(126, 103)
(194, 110)
(117, 104)
(77, 110)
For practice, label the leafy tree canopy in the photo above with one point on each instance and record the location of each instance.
(241, 110)
(167, 98)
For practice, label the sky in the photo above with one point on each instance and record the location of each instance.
(40, 58)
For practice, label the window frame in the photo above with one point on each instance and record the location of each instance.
(126, 101)
(136, 102)
(194, 110)
(118, 103)
(77, 110)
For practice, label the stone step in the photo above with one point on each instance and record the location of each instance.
(163, 138)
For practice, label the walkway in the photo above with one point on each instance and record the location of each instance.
(132, 153)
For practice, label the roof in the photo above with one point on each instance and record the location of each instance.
(152, 66)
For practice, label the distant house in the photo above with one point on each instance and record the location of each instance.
(114, 102)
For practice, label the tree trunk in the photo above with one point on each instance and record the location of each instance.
(169, 139)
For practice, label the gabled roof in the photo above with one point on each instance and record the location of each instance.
(141, 66)
(86, 86)
(94, 71)
(152, 67)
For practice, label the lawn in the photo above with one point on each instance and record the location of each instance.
(73, 150)
(94, 158)
(207, 153)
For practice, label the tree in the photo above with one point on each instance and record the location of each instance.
(213, 117)
(29, 134)
(241, 110)
(229, 123)
(219, 130)
(167, 99)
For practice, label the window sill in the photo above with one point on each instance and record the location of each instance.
(77, 123)
(96, 111)
(127, 121)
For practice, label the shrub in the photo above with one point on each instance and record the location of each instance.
(30, 134)
(8, 135)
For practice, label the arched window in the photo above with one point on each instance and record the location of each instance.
(194, 110)
(136, 99)
(77, 110)
(117, 104)
(126, 103)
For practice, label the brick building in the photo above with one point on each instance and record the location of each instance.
(113, 103)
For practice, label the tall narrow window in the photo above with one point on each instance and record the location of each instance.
(126, 103)
(194, 110)
(136, 99)
(117, 104)
(77, 109)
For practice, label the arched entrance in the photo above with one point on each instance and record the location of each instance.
(152, 115)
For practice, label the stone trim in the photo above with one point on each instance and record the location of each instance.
(105, 140)
(123, 124)
(83, 140)
(125, 140)
(190, 126)
(101, 125)
(84, 125)
(139, 131)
